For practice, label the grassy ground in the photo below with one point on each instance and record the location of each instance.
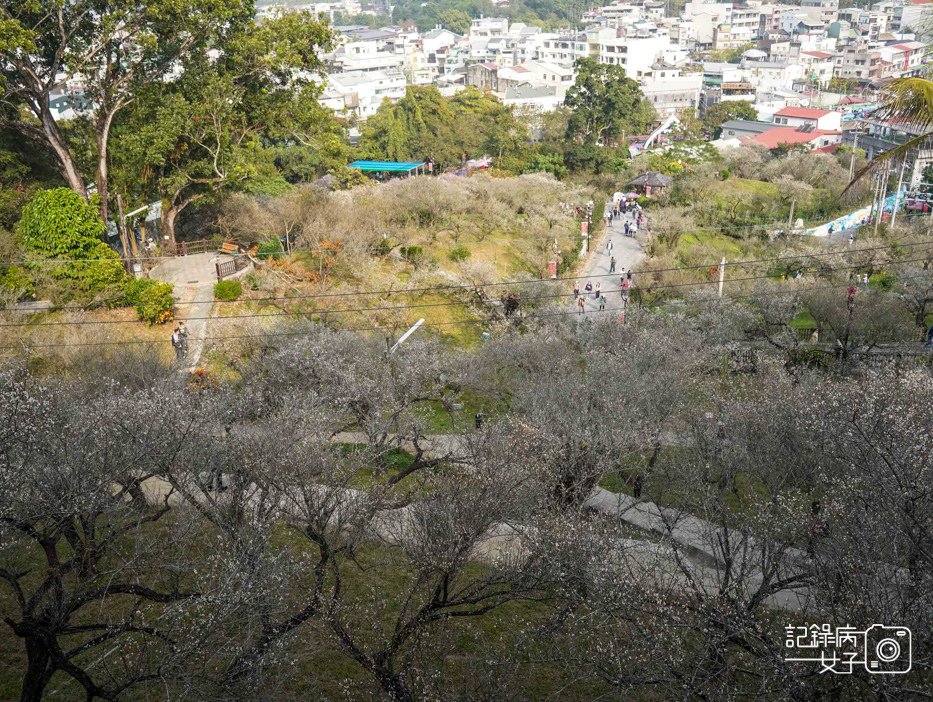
(50, 342)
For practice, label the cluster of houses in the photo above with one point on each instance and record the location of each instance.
(790, 51)
(810, 69)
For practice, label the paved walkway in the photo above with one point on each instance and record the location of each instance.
(628, 252)
(193, 278)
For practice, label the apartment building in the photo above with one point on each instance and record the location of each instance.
(360, 93)
(906, 58)
(669, 90)
(859, 63)
(818, 66)
(823, 11)
(723, 26)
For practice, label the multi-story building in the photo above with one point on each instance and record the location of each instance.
(906, 58)
(859, 63)
(636, 54)
(567, 48)
(823, 11)
(818, 66)
(360, 93)
(909, 16)
(669, 90)
(723, 26)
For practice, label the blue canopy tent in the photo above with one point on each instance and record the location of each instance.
(406, 167)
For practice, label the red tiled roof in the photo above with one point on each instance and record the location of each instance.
(818, 54)
(801, 112)
(789, 135)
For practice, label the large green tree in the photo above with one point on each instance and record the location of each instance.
(119, 48)
(112, 47)
(605, 105)
(425, 124)
(220, 123)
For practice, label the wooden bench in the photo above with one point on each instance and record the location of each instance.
(229, 247)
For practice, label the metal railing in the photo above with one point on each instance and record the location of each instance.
(184, 248)
(228, 268)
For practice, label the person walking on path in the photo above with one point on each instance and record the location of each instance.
(602, 303)
(581, 305)
(609, 247)
(596, 291)
(612, 264)
(625, 227)
(178, 345)
(588, 287)
(576, 290)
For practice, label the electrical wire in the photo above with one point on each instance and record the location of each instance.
(433, 325)
(397, 291)
(338, 310)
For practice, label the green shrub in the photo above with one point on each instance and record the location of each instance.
(459, 253)
(228, 289)
(15, 281)
(252, 281)
(270, 249)
(152, 299)
(58, 223)
(412, 254)
(881, 281)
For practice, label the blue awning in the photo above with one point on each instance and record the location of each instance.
(387, 166)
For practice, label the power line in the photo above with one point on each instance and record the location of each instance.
(781, 226)
(386, 308)
(133, 342)
(397, 291)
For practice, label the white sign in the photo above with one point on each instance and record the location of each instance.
(111, 228)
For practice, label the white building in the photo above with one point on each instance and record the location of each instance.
(818, 66)
(723, 25)
(808, 117)
(823, 11)
(361, 93)
(669, 91)
(635, 54)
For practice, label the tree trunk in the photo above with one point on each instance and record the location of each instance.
(393, 685)
(104, 121)
(56, 140)
(38, 671)
(168, 227)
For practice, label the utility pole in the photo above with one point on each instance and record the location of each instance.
(897, 193)
(790, 218)
(722, 274)
(881, 196)
(852, 160)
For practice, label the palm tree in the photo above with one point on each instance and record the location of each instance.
(907, 100)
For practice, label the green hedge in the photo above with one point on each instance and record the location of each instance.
(228, 289)
(152, 299)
